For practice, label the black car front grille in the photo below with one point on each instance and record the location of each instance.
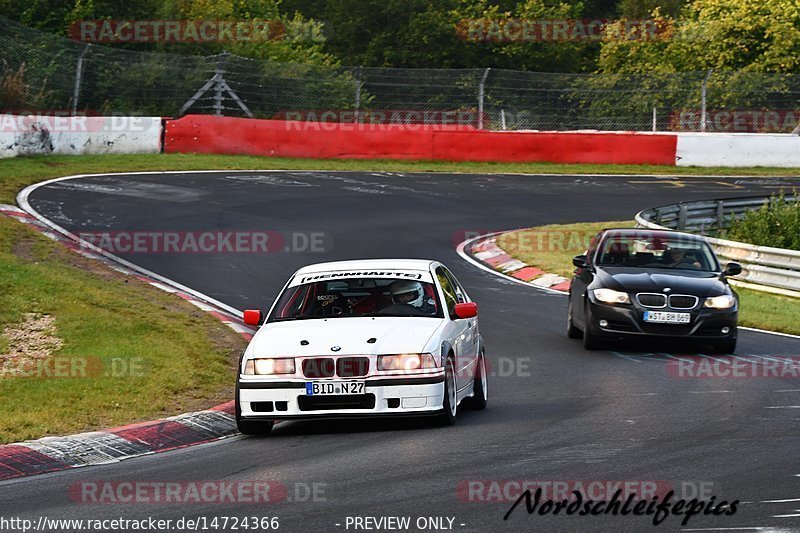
(323, 367)
(683, 301)
(344, 367)
(666, 329)
(352, 367)
(330, 403)
(649, 299)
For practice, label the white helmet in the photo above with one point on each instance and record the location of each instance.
(407, 292)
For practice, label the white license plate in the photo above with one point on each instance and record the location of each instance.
(667, 317)
(325, 388)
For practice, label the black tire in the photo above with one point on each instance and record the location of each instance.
(449, 403)
(480, 387)
(250, 427)
(590, 340)
(572, 331)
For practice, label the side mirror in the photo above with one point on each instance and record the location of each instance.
(466, 310)
(732, 269)
(252, 317)
(580, 261)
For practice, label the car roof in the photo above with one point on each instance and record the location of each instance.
(370, 264)
(657, 233)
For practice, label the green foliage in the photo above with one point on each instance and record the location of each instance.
(424, 34)
(727, 35)
(775, 224)
(15, 93)
(694, 35)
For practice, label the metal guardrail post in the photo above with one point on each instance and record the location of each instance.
(358, 93)
(220, 87)
(703, 102)
(76, 91)
(682, 217)
(720, 214)
(481, 87)
(219, 75)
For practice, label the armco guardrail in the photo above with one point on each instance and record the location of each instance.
(764, 268)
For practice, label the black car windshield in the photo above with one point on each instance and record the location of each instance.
(651, 251)
(357, 297)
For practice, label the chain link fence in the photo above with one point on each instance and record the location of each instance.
(40, 72)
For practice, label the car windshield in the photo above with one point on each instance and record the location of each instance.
(357, 297)
(649, 251)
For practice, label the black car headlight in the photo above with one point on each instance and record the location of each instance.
(610, 296)
(725, 301)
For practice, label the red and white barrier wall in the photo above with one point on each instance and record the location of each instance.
(64, 135)
(737, 150)
(207, 134)
(33, 135)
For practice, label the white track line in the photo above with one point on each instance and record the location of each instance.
(762, 528)
(629, 358)
(23, 201)
(678, 358)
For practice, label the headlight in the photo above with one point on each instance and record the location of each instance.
(406, 361)
(266, 367)
(726, 301)
(612, 297)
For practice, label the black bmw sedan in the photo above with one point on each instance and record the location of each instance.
(646, 283)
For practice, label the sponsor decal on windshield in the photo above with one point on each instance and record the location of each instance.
(363, 274)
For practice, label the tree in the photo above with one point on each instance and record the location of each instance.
(749, 35)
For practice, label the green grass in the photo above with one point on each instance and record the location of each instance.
(184, 357)
(19, 172)
(551, 248)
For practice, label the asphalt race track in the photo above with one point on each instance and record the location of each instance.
(556, 412)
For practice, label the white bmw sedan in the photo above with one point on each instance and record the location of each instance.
(384, 337)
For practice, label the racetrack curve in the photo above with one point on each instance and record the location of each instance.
(556, 412)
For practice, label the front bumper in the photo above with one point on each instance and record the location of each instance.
(387, 396)
(628, 321)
